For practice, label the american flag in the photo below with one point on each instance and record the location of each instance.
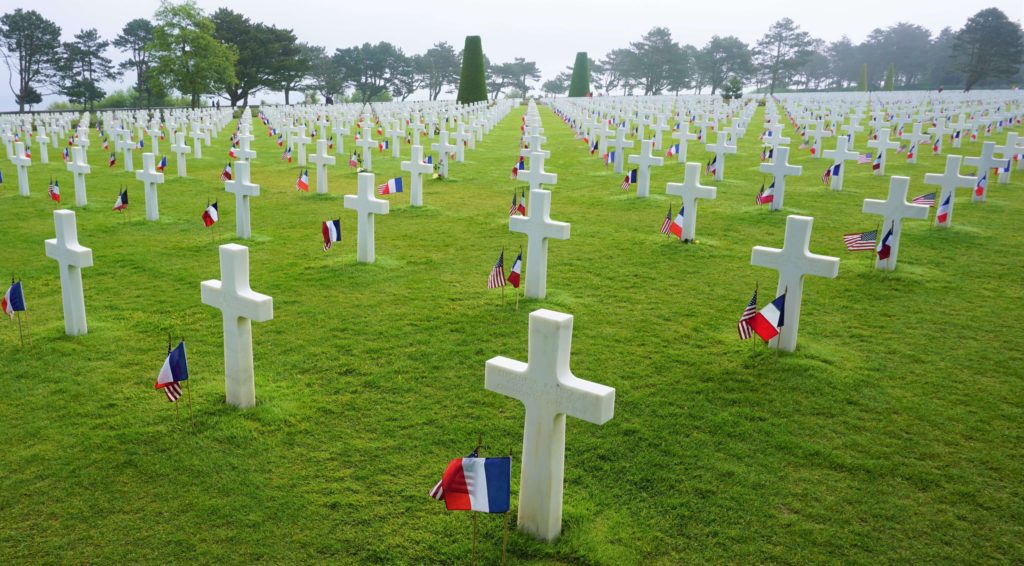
(861, 241)
(668, 221)
(865, 158)
(173, 391)
(515, 207)
(928, 199)
(748, 313)
(497, 277)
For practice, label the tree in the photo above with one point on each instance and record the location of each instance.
(732, 89)
(558, 85)
(188, 57)
(133, 39)
(723, 58)
(294, 67)
(472, 80)
(82, 66)
(29, 44)
(371, 69)
(782, 51)
(579, 84)
(845, 61)
(437, 68)
(863, 84)
(324, 75)
(988, 46)
(890, 76)
(268, 57)
(658, 61)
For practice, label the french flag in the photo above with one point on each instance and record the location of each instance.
(885, 246)
(302, 183)
(163, 164)
(211, 215)
(609, 158)
(476, 484)
(942, 216)
(225, 175)
(517, 269)
(766, 197)
(767, 322)
(676, 228)
(13, 300)
(391, 187)
(672, 150)
(174, 371)
(979, 189)
(331, 232)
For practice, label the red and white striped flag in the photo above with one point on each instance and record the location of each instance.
(748, 313)
(497, 277)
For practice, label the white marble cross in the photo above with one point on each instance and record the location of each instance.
(368, 144)
(395, 132)
(443, 149)
(939, 130)
(690, 190)
(367, 207)
(243, 189)
(72, 257)
(883, 144)
(197, 138)
(915, 138)
(322, 158)
(682, 136)
(949, 181)
(839, 156)
(79, 168)
(893, 210)
(549, 391)
(780, 169)
(776, 139)
(644, 160)
(22, 163)
(985, 163)
(300, 142)
(416, 169)
(124, 143)
(539, 228)
(82, 141)
(239, 305)
(461, 138)
(535, 174)
(817, 133)
(1007, 150)
(244, 152)
(720, 148)
(42, 140)
(180, 150)
(150, 179)
(792, 262)
(619, 144)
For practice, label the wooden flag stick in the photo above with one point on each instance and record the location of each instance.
(753, 345)
(504, 542)
(21, 336)
(479, 442)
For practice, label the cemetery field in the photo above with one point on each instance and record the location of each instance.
(893, 434)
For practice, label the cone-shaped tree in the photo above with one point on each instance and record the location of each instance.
(580, 83)
(890, 77)
(472, 81)
(863, 84)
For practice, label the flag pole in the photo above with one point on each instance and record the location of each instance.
(20, 335)
(479, 441)
(502, 293)
(753, 343)
(504, 542)
(191, 416)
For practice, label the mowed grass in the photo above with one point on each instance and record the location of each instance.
(893, 434)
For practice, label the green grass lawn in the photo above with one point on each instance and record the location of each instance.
(895, 432)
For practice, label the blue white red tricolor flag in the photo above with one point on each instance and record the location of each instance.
(54, 191)
(476, 484)
(516, 271)
(173, 372)
(629, 180)
(122, 201)
(884, 248)
(226, 175)
(942, 215)
(331, 232)
(676, 229)
(767, 322)
(391, 187)
(979, 188)
(766, 197)
(211, 215)
(163, 164)
(13, 300)
(302, 183)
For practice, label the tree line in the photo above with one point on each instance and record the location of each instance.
(184, 50)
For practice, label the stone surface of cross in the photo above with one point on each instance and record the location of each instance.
(150, 179)
(779, 168)
(322, 158)
(619, 144)
(940, 131)
(461, 139)
(79, 168)
(793, 262)
(123, 142)
(82, 141)
(239, 306)
(395, 132)
(817, 133)
(539, 228)
(22, 164)
(682, 137)
(180, 150)
(1008, 150)
(535, 174)
(985, 163)
(368, 144)
(720, 148)
(42, 140)
(883, 144)
(839, 156)
(644, 160)
(299, 142)
(775, 137)
(690, 190)
(442, 149)
(197, 140)
(72, 257)
(549, 391)
(243, 189)
(893, 210)
(416, 169)
(949, 181)
(367, 207)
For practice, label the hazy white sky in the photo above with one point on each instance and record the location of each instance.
(549, 32)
